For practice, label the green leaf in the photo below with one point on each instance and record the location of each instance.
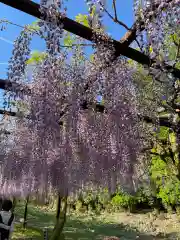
(131, 62)
(34, 26)
(150, 49)
(163, 134)
(92, 57)
(93, 11)
(83, 19)
(68, 40)
(36, 57)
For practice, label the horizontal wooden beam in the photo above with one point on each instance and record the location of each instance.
(121, 48)
(3, 131)
(165, 122)
(100, 108)
(7, 85)
(9, 113)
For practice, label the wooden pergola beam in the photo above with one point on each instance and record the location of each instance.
(100, 108)
(8, 85)
(121, 48)
(76, 28)
(3, 131)
(163, 122)
(5, 84)
(8, 113)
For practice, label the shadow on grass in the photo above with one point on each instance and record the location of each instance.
(36, 216)
(29, 233)
(78, 228)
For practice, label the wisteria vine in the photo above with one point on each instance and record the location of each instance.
(87, 147)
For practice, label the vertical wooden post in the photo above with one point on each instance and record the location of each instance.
(57, 232)
(25, 212)
(45, 230)
(58, 209)
(14, 203)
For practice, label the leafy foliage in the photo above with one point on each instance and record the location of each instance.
(68, 40)
(36, 57)
(83, 19)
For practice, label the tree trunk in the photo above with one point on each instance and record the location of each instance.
(57, 232)
(26, 212)
(178, 151)
(58, 209)
(14, 204)
(1, 204)
(52, 203)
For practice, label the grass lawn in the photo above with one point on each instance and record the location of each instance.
(82, 227)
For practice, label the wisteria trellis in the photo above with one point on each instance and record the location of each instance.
(90, 148)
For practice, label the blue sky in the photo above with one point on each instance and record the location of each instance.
(125, 14)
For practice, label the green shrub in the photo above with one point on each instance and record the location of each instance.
(145, 197)
(123, 201)
(109, 207)
(178, 210)
(78, 205)
(103, 197)
(170, 193)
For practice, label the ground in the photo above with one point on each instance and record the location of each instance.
(82, 227)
